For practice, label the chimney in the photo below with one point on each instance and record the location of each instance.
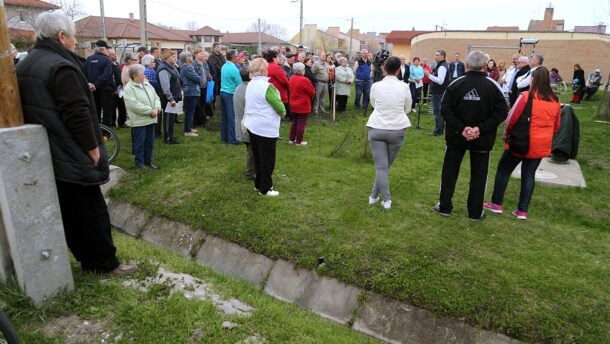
(131, 16)
(548, 15)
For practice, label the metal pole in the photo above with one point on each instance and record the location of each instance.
(10, 102)
(102, 18)
(301, 27)
(143, 21)
(260, 48)
(351, 35)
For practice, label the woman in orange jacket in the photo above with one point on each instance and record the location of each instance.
(543, 124)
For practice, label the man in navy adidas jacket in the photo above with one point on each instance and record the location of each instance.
(473, 106)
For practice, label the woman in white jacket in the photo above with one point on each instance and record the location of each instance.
(387, 125)
(262, 114)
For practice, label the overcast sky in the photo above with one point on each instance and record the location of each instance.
(378, 16)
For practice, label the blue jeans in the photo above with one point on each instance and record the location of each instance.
(415, 92)
(363, 88)
(436, 110)
(190, 104)
(227, 118)
(143, 143)
(506, 165)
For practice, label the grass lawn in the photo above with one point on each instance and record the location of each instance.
(123, 314)
(543, 280)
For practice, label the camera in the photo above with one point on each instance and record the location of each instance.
(380, 57)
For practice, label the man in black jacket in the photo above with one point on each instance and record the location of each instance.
(119, 102)
(522, 68)
(99, 73)
(439, 80)
(473, 106)
(55, 94)
(456, 68)
(216, 61)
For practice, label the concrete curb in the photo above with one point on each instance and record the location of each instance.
(377, 316)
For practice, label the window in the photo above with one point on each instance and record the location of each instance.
(207, 39)
(22, 16)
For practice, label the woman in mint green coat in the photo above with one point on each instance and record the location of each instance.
(143, 106)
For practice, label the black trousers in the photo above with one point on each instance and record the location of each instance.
(264, 161)
(479, 166)
(104, 101)
(341, 103)
(119, 103)
(87, 226)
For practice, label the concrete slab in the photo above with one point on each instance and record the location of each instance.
(397, 322)
(116, 174)
(31, 217)
(486, 337)
(286, 282)
(548, 173)
(128, 218)
(234, 260)
(173, 235)
(331, 299)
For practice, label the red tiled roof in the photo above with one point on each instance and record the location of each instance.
(503, 28)
(31, 3)
(250, 37)
(206, 31)
(119, 28)
(403, 36)
(13, 33)
(541, 25)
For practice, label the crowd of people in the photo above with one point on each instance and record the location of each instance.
(70, 96)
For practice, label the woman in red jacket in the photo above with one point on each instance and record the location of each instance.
(301, 95)
(544, 123)
(277, 76)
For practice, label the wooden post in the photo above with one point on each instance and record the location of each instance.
(10, 103)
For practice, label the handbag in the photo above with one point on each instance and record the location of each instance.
(209, 94)
(519, 136)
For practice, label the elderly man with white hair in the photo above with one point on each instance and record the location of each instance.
(473, 106)
(55, 93)
(523, 66)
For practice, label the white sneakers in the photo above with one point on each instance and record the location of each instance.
(303, 143)
(191, 134)
(384, 204)
(272, 193)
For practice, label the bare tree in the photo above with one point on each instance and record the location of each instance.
(192, 25)
(73, 9)
(274, 30)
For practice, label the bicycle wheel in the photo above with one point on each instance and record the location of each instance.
(8, 335)
(111, 141)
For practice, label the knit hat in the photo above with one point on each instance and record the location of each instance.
(167, 53)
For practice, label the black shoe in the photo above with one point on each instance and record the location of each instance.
(152, 166)
(142, 167)
(437, 208)
(473, 219)
(435, 134)
(177, 121)
(172, 142)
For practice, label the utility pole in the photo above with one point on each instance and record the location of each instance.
(103, 19)
(143, 21)
(351, 38)
(301, 26)
(260, 38)
(10, 102)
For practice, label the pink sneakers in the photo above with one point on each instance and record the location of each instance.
(521, 215)
(494, 208)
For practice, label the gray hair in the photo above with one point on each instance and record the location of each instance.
(539, 58)
(50, 24)
(135, 70)
(128, 57)
(281, 59)
(184, 55)
(341, 59)
(476, 60)
(147, 59)
(298, 67)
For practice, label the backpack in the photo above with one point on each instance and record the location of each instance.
(519, 137)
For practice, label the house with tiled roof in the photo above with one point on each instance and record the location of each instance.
(21, 14)
(503, 28)
(548, 23)
(344, 41)
(316, 40)
(126, 32)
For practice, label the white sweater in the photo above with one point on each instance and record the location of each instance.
(392, 100)
(259, 116)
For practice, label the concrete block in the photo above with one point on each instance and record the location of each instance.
(286, 282)
(486, 337)
(128, 218)
(551, 174)
(6, 265)
(234, 260)
(398, 322)
(173, 235)
(331, 299)
(31, 215)
(116, 174)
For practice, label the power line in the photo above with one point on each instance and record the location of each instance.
(199, 14)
